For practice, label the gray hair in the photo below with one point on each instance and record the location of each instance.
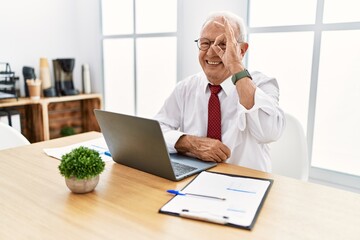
(233, 19)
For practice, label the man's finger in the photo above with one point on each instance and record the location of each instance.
(219, 25)
(229, 31)
(221, 156)
(219, 39)
(218, 50)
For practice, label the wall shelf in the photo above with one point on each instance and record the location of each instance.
(43, 119)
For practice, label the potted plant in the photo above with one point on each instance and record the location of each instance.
(67, 131)
(81, 168)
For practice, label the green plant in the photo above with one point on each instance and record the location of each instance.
(67, 131)
(81, 163)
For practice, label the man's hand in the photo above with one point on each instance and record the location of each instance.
(232, 58)
(233, 55)
(206, 149)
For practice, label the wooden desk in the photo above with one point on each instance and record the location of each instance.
(36, 204)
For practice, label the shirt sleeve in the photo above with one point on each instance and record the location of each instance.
(169, 118)
(265, 120)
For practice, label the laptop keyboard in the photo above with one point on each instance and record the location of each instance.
(181, 169)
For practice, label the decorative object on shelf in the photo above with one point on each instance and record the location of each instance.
(81, 168)
(7, 82)
(63, 72)
(86, 78)
(48, 90)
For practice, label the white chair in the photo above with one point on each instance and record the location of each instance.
(10, 137)
(289, 155)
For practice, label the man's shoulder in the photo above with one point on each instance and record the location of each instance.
(260, 78)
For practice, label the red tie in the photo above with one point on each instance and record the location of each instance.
(214, 113)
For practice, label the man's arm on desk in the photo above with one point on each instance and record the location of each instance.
(206, 149)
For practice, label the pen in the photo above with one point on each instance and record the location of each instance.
(193, 194)
(107, 153)
(203, 216)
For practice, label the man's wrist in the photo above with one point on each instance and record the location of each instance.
(240, 75)
(181, 144)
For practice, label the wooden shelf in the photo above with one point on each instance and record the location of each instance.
(43, 119)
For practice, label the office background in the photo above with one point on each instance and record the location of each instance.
(315, 57)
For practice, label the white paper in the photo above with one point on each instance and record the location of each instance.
(243, 198)
(97, 144)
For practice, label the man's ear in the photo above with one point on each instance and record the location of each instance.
(243, 48)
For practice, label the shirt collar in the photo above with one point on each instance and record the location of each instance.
(227, 85)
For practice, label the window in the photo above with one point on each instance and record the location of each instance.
(338, 11)
(118, 55)
(315, 57)
(157, 72)
(139, 54)
(271, 52)
(281, 12)
(337, 116)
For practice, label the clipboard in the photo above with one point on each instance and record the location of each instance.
(226, 199)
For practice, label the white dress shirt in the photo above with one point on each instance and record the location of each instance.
(245, 132)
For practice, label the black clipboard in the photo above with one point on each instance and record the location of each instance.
(221, 219)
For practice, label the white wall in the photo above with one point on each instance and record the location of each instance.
(31, 29)
(193, 14)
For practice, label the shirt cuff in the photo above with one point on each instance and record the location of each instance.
(171, 137)
(262, 101)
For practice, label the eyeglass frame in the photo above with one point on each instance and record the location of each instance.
(211, 42)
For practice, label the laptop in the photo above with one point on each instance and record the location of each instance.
(139, 143)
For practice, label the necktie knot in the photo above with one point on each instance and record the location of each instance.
(215, 89)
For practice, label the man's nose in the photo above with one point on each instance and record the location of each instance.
(210, 51)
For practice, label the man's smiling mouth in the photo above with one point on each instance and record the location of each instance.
(212, 62)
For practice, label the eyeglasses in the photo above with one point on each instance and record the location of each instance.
(204, 44)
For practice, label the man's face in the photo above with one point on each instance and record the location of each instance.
(210, 62)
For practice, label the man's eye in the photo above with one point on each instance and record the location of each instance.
(205, 44)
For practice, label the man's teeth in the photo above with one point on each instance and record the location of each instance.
(213, 63)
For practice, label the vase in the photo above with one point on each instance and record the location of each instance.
(45, 73)
(82, 185)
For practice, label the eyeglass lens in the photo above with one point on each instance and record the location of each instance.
(204, 44)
